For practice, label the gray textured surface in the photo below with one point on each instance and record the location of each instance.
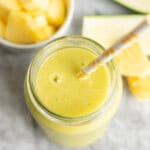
(129, 130)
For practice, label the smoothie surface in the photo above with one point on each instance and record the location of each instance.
(61, 92)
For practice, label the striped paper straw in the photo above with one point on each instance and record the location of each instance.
(117, 48)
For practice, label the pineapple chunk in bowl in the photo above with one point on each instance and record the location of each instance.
(30, 24)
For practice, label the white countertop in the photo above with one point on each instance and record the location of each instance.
(129, 130)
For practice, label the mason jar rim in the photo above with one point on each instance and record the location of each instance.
(57, 117)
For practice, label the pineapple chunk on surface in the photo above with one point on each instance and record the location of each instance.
(132, 61)
(23, 28)
(31, 5)
(56, 12)
(6, 6)
(140, 87)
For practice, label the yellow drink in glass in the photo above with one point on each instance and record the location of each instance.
(72, 112)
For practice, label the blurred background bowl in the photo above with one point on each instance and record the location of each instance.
(36, 46)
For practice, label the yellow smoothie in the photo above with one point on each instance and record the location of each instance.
(61, 92)
(70, 111)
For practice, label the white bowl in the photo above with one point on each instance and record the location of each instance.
(36, 46)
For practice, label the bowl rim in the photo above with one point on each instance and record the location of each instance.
(42, 43)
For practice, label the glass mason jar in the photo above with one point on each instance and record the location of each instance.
(67, 131)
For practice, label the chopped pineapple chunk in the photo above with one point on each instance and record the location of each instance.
(23, 28)
(140, 87)
(17, 29)
(6, 6)
(39, 17)
(43, 33)
(31, 5)
(56, 12)
(41, 28)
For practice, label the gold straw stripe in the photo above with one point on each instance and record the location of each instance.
(129, 38)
